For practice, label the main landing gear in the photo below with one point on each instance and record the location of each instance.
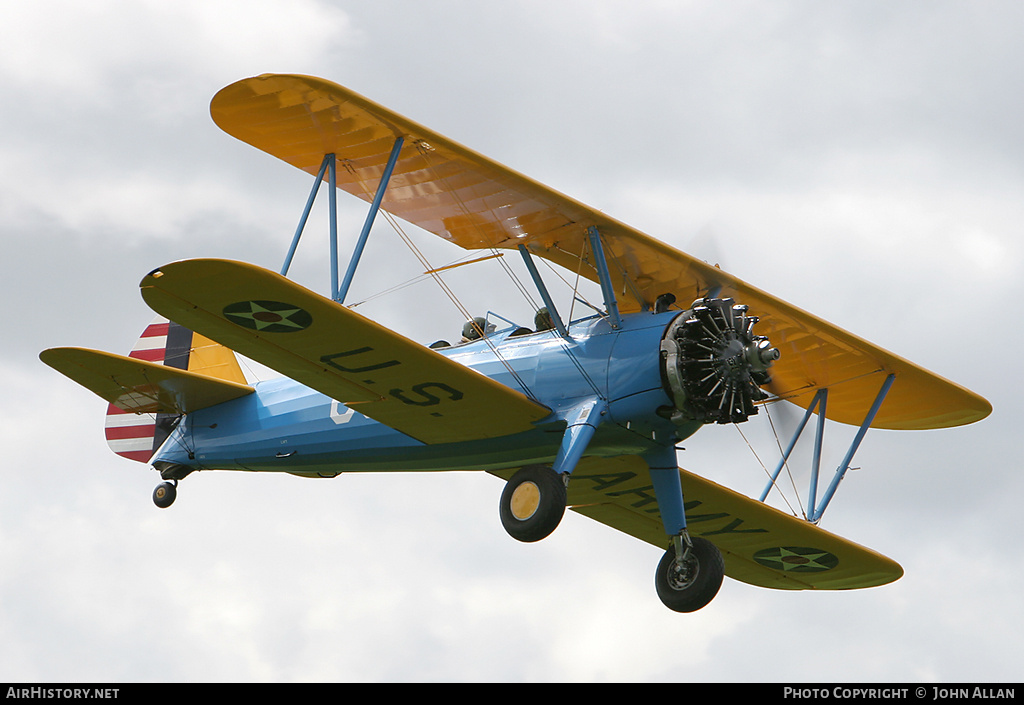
(533, 503)
(689, 583)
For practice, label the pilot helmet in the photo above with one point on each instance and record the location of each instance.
(472, 329)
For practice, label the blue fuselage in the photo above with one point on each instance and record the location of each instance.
(287, 427)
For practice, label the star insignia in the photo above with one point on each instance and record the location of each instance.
(796, 559)
(268, 316)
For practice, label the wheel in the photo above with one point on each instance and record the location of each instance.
(532, 503)
(164, 494)
(688, 586)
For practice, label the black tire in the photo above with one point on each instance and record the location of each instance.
(693, 585)
(164, 494)
(532, 503)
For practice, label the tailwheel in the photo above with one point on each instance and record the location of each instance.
(164, 494)
(691, 583)
(532, 503)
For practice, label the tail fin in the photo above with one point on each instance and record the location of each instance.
(139, 436)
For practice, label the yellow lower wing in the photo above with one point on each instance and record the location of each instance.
(337, 352)
(761, 545)
(138, 386)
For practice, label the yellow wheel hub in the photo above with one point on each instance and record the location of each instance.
(525, 501)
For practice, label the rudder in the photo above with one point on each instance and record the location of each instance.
(139, 436)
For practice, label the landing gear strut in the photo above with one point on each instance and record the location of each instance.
(688, 584)
(164, 494)
(532, 503)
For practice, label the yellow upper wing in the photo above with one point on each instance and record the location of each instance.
(462, 196)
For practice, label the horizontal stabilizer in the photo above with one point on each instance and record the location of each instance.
(339, 353)
(760, 544)
(139, 386)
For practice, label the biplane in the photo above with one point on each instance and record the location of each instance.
(584, 414)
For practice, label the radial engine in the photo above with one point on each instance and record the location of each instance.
(713, 365)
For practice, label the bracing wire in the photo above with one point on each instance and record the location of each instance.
(434, 273)
(764, 467)
(789, 470)
(419, 278)
(575, 288)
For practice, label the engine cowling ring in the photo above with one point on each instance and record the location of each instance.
(713, 364)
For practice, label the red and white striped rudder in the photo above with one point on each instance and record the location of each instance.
(139, 436)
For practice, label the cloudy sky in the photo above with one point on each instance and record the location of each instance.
(862, 160)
